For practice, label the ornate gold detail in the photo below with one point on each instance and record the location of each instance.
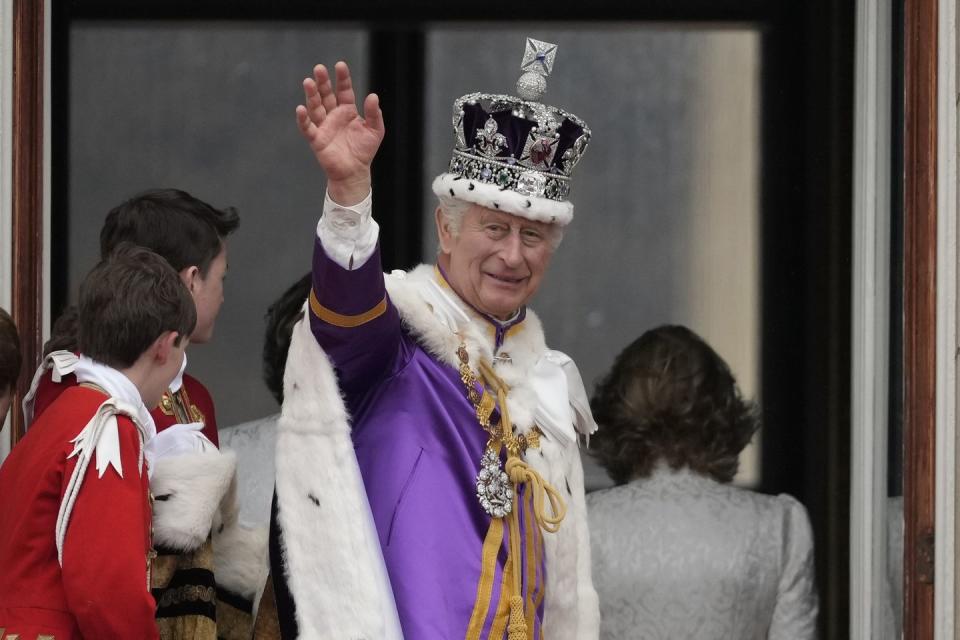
(151, 556)
(166, 403)
(530, 440)
(179, 406)
(46, 637)
(484, 403)
(187, 593)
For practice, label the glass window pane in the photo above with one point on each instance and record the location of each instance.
(208, 108)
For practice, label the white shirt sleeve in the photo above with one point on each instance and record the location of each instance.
(348, 234)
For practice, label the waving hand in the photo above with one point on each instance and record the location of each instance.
(343, 142)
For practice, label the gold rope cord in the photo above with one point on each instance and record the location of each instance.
(519, 473)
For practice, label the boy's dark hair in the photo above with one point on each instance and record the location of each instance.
(181, 229)
(173, 224)
(63, 334)
(670, 397)
(10, 356)
(129, 300)
(281, 316)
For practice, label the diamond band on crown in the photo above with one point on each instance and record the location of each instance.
(510, 176)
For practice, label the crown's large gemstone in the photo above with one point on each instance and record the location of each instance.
(541, 151)
(531, 183)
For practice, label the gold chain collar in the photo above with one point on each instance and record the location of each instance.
(484, 405)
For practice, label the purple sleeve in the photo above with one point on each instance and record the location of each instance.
(353, 320)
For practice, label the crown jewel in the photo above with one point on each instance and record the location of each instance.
(518, 143)
(536, 66)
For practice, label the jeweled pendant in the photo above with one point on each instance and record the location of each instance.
(493, 486)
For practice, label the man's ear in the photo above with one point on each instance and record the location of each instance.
(190, 276)
(444, 233)
(164, 346)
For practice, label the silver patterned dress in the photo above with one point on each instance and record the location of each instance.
(678, 555)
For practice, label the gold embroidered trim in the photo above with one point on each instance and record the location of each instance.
(166, 403)
(180, 407)
(484, 403)
(488, 569)
(343, 321)
(519, 473)
(187, 593)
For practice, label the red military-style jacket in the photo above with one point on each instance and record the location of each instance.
(192, 403)
(101, 591)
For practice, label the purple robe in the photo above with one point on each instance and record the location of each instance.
(418, 444)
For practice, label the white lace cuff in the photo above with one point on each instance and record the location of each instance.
(348, 234)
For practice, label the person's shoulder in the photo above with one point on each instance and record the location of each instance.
(780, 505)
(614, 501)
(781, 512)
(76, 400)
(196, 389)
(48, 391)
(66, 415)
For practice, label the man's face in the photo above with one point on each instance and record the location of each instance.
(497, 260)
(207, 292)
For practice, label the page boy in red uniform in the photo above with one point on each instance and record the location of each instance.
(75, 537)
(191, 235)
(204, 588)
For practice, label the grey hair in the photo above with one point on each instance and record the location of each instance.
(453, 210)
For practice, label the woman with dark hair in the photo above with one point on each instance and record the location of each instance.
(677, 551)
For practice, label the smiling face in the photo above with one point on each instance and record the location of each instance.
(495, 261)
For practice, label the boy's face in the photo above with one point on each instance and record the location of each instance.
(207, 292)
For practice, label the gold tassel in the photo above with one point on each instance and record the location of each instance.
(517, 629)
(521, 473)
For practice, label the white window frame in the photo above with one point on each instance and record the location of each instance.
(870, 319)
(947, 498)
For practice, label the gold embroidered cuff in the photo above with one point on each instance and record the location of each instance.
(346, 322)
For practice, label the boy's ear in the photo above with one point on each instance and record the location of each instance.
(164, 346)
(189, 276)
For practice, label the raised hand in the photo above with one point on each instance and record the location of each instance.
(343, 142)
